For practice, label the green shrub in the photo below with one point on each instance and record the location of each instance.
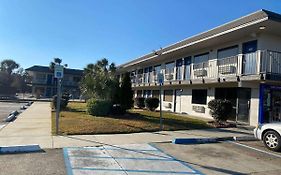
(126, 93)
(151, 103)
(220, 109)
(139, 102)
(63, 102)
(98, 107)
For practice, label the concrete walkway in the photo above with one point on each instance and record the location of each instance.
(33, 126)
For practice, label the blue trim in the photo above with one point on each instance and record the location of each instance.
(182, 162)
(67, 162)
(129, 158)
(138, 171)
(261, 110)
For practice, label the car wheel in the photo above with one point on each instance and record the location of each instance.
(272, 140)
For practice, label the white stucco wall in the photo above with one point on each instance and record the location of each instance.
(270, 42)
(254, 107)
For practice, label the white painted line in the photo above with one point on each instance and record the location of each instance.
(246, 146)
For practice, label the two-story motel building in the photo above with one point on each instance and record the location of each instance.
(44, 84)
(239, 61)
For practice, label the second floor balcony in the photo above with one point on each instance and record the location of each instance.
(259, 63)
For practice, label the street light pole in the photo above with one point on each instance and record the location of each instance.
(161, 115)
(160, 79)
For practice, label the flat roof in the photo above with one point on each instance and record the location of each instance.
(253, 18)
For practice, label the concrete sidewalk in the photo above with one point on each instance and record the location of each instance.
(33, 126)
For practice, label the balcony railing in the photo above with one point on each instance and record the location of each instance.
(70, 83)
(39, 81)
(255, 63)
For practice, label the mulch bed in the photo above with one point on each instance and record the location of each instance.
(221, 124)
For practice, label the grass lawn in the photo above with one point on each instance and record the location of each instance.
(75, 120)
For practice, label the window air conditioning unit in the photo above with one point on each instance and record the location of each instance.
(200, 73)
(199, 109)
(169, 76)
(167, 105)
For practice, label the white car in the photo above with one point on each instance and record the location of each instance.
(270, 134)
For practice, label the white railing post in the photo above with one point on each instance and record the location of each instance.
(240, 64)
(191, 71)
(258, 57)
(175, 72)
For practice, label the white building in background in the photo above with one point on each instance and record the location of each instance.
(239, 61)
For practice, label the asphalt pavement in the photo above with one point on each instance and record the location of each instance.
(49, 162)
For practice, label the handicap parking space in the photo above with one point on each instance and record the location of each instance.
(123, 159)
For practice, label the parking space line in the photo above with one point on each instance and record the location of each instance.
(102, 148)
(137, 171)
(182, 162)
(246, 146)
(130, 158)
(67, 162)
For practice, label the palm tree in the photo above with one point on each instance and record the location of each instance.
(56, 61)
(99, 79)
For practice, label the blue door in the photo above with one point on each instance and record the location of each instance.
(48, 92)
(249, 57)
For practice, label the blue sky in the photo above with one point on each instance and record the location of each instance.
(83, 31)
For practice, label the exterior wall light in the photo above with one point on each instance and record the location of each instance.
(262, 27)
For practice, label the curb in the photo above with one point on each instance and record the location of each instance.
(211, 140)
(245, 138)
(19, 149)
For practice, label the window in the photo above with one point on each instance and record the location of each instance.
(40, 76)
(169, 68)
(199, 96)
(133, 76)
(140, 76)
(187, 62)
(147, 74)
(201, 58)
(228, 52)
(168, 95)
(139, 93)
(145, 78)
(179, 69)
(157, 70)
(76, 79)
(155, 93)
(146, 93)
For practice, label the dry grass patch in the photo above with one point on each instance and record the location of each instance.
(75, 120)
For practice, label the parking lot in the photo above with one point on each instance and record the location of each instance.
(6, 108)
(227, 157)
(46, 162)
(148, 159)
